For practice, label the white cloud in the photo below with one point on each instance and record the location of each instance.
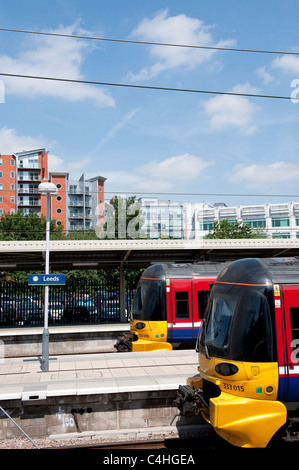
(265, 176)
(11, 142)
(50, 56)
(179, 29)
(159, 176)
(264, 75)
(287, 63)
(183, 167)
(232, 111)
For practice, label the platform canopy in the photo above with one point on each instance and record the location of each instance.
(97, 254)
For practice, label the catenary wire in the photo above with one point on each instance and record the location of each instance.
(149, 43)
(161, 193)
(147, 87)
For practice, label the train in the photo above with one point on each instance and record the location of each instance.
(247, 386)
(168, 306)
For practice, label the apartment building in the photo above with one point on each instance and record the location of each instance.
(276, 220)
(162, 218)
(166, 219)
(78, 205)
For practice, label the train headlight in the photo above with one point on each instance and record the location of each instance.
(225, 368)
(140, 325)
(269, 389)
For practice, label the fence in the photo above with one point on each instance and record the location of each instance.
(75, 302)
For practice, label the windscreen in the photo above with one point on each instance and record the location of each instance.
(149, 302)
(238, 324)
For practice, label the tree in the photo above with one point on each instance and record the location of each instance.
(89, 234)
(28, 227)
(124, 220)
(226, 229)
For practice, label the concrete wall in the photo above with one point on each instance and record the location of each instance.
(62, 340)
(57, 416)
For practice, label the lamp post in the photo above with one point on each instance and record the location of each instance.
(48, 189)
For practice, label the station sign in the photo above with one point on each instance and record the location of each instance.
(46, 279)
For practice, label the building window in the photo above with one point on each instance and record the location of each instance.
(58, 198)
(207, 225)
(1, 186)
(12, 199)
(58, 186)
(1, 161)
(12, 174)
(58, 211)
(280, 222)
(1, 174)
(12, 162)
(12, 187)
(281, 235)
(255, 223)
(1, 199)
(1, 211)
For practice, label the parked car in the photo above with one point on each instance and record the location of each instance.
(55, 310)
(7, 310)
(76, 314)
(27, 310)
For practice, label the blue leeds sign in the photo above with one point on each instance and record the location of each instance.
(46, 279)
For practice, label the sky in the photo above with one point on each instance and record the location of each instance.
(186, 146)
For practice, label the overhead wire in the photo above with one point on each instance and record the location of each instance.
(148, 87)
(159, 88)
(150, 43)
(158, 193)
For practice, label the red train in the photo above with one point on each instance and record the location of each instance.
(169, 305)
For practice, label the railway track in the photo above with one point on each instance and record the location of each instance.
(148, 444)
(170, 444)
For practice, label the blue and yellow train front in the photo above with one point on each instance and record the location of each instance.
(149, 336)
(239, 389)
(242, 404)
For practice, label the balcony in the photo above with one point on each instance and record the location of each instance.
(35, 203)
(29, 177)
(28, 190)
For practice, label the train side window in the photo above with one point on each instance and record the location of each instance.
(202, 300)
(181, 305)
(294, 313)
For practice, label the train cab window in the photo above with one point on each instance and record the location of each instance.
(294, 313)
(181, 305)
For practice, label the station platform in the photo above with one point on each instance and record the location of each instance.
(23, 379)
(88, 394)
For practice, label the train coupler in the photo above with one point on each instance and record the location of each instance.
(189, 400)
(124, 344)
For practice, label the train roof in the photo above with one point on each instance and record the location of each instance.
(262, 271)
(202, 269)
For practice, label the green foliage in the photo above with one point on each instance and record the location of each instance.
(226, 229)
(89, 234)
(28, 227)
(125, 220)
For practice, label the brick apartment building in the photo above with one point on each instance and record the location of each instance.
(79, 204)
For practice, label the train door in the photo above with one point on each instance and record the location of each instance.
(289, 346)
(180, 324)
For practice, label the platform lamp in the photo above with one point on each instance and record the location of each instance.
(48, 189)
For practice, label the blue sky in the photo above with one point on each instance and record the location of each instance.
(156, 141)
